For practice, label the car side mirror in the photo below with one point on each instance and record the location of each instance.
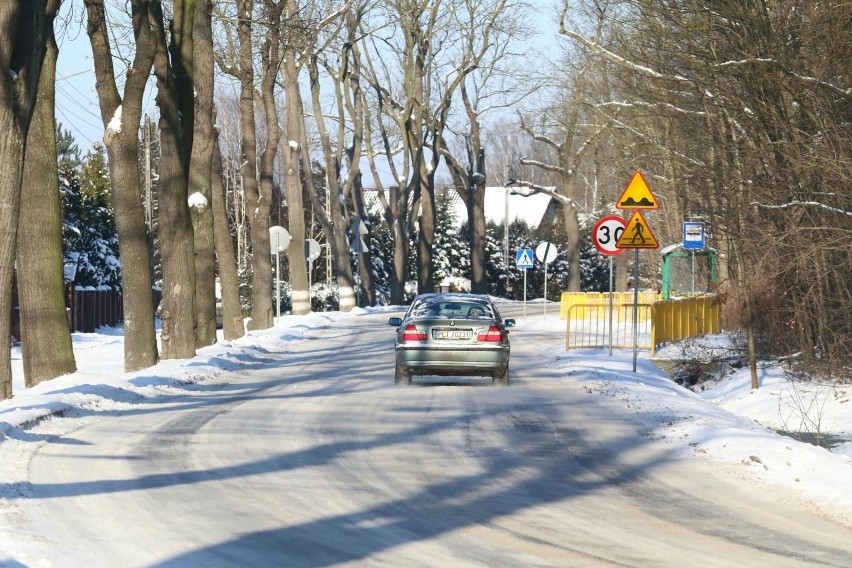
(509, 323)
(396, 322)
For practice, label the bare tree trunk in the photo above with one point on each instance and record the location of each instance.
(175, 98)
(476, 214)
(470, 184)
(399, 226)
(292, 176)
(204, 138)
(232, 310)
(334, 224)
(365, 257)
(121, 119)
(41, 291)
(572, 251)
(257, 200)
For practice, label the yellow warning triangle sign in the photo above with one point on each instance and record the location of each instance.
(637, 235)
(637, 195)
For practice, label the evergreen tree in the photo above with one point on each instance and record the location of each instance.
(89, 233)
(450, 258)
(67, 149)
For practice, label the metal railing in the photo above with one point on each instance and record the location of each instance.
(588, 324)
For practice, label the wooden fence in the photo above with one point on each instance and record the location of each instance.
(88, 309)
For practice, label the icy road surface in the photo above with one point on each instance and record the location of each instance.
(312, 457)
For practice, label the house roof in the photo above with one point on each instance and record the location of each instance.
(498, 200)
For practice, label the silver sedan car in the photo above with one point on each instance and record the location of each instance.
(452, 334)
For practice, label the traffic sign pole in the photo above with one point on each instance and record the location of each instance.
(637, 195)
(635, 307)
(280, 239)
(605, 237)
(610, 306)
(546, 253)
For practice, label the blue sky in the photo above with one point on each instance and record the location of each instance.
(76, 99)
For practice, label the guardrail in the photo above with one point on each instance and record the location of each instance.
(659, 322)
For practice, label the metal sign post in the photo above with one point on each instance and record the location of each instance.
(635, 307)
(279, 239)
(312, 252)
(637, 235)
(546, 253)
(523, 261)
(605, 235)
(357, 231)
(610, 306)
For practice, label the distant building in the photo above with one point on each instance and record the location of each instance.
(533, 209)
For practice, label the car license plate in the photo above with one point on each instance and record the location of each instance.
(451, 334)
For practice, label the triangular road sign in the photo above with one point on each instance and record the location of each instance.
(637, 235)
(637, 195)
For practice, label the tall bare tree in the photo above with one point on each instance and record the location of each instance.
(257, 171)
(173, 68)
(290, 12)
(491, 33)
(41, 296)
(346, 79)
(232, 312)
(121, 116)
(25, 29)
(200, 171)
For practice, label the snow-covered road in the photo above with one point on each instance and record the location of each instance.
(312, 457)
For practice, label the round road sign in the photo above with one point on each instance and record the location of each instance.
(606, 234)
(279, 239)
(545, 252)
(312, 250)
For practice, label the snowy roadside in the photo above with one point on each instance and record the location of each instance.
(735, 427)
(726, 424)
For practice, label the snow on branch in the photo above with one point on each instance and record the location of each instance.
(804, 78)
(617, 59)
(549, 191)
(667, 106)
(544, 165)
(797, 203)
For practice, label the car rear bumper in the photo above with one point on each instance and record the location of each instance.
(444, 361)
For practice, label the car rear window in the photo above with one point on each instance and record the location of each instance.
(454, 309)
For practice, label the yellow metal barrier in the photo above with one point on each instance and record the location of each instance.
(660, 322)
(681, 319)
(569, 299)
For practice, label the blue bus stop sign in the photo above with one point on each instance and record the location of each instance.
(693, 235)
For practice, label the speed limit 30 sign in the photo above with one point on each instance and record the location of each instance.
(606, 234)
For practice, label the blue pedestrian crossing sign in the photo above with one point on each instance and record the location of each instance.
(524, 258)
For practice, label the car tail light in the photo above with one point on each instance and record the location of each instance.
(410, 333)
(493, 334)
